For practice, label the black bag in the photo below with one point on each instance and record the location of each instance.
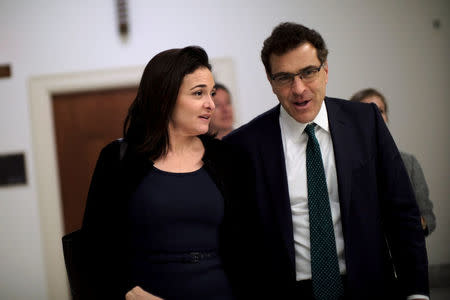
(73, 258)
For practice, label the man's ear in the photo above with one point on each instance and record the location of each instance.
(268, 78)
(270, 81)
(325, 68)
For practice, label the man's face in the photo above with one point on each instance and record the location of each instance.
(222, 118)
(302, 100)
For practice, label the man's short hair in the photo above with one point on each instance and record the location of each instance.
(288, 36)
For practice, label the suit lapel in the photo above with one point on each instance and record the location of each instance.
(341, 135)
(273, 162)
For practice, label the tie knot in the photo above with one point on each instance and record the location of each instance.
(310, 129)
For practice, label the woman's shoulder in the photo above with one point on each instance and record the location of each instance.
(112, 146)
(408, 159)
(114, 151)
(406, 156)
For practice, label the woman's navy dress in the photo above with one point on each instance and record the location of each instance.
(174, 236)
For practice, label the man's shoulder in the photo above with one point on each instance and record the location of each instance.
(346, 104)
(257, 126)
(335, 100)
(353, 112)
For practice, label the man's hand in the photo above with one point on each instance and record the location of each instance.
(139, 294)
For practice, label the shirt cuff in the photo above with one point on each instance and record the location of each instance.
(412, 297)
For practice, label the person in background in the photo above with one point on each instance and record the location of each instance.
(412, 166)
(155, 218)
(223, 117)
(331, 194)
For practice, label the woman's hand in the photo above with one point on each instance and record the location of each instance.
(139, 294)
(423, 222)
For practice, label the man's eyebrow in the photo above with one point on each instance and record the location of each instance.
(309, 67)
(198, 86)
(303, 69)
(283, 73)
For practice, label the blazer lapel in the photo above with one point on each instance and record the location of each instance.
(341, 135)
(273, 162)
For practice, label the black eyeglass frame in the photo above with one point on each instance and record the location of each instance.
(292, 75)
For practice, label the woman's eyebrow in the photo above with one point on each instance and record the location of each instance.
(199, 86)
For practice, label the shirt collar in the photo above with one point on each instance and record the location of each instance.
(294, 129)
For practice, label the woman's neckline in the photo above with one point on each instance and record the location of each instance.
(166, 172)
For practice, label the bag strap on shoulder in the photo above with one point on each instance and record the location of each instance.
(123, 148)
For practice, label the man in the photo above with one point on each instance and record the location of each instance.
(311, 143)
(223, 117)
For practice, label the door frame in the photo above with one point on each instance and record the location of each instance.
(44, 152)
(42, 89)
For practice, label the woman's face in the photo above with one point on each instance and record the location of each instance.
(194, 105)
(222, 118)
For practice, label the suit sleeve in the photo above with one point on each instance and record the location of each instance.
(400, 215)
(422, 194)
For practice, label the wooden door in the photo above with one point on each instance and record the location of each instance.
(84, 123)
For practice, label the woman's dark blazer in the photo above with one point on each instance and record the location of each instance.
(104, 228)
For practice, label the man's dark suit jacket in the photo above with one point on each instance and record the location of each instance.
(378, 209)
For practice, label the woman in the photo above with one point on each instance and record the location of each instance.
(155, 214)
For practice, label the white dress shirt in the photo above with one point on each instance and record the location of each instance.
(294, 145)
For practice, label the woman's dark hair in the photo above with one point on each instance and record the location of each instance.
(288, 36)
(367, 93)
(146, 126)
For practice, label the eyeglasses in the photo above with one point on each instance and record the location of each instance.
(307, 75)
